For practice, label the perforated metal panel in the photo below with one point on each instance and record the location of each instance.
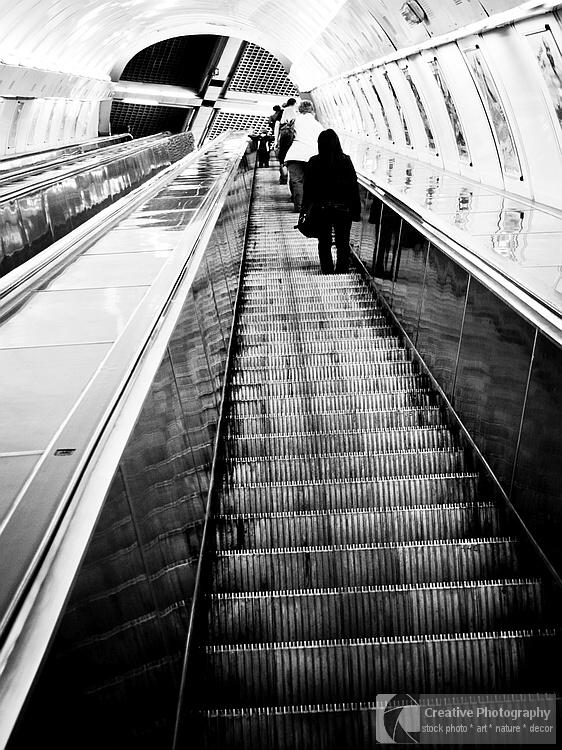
(142, 119)
(260, 73)
(180, 61)
(230, 121)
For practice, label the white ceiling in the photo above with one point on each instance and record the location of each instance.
(319, 38)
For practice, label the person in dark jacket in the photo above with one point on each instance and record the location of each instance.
(330, 182)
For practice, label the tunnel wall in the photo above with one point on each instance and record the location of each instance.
(487, 106)
(113, 674)
(501, 374)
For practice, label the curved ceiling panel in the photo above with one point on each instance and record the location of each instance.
(324, 37)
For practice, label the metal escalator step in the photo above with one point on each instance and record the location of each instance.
(327, 335)
(356, 526)
(327, 372)
(344, 402)
(358, 669)
(429, 489)
(357, 465)
(431, 416)
(365, 564)
(321, 388)
(333, 347)
(323, 727)
(304, 284)
(373, 357)
(299, 328)
(373, 611)
(364, 313)
(278, 293)
(309, 443)
(313, 309)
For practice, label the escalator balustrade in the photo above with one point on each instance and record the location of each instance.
(354, 551)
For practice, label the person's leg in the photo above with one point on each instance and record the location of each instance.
(325, 248)
(282, 174)
(293, 167)
(297, 176)
(342, 229)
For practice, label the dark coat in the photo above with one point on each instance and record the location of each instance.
(332, 184)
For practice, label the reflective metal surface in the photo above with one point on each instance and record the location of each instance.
(523, 240)
(139, 571)
(40, 385)
(480, 351)
(385, 263)
(408, 283)
(494, 360)
(537, 485)
(441, 317)
(52, 203)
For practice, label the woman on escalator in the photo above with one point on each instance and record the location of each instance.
(330, 183)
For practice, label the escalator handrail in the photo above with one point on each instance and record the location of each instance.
(83, 162)
(117, 137)
(216, 467)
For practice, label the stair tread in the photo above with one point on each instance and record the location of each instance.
(360, 480)
(357, 511)
(311, 433)
(375, 589)
(393, 639)
(364, 546)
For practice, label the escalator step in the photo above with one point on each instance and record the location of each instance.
(358, 465)
(356, 526)
(365, 564)
(356, 402)
(301, 328)
(325, 388)
(278, 348)
(333, 671)
(323, 372)
(373, 611)
(363, 314)
(307, 443)
(332, 494)
(345, 333)
(250, 362)
(305, 310)
(323, 421)
(325, 727)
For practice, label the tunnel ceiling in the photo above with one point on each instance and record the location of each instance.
(181, 61)
(317, 39)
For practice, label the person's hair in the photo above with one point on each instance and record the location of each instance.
(291, 102)
(329, 146)
(306, 106)
(276, 108)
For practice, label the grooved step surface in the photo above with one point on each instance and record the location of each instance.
(344, 494)
(351, 550)
(332, 566)
(366, 611)
(334, 671)
(356, 526)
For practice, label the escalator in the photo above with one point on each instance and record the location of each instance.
(354, 547)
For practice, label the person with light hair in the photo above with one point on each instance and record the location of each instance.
(305, 145)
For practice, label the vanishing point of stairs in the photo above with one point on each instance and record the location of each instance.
(353, 551)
